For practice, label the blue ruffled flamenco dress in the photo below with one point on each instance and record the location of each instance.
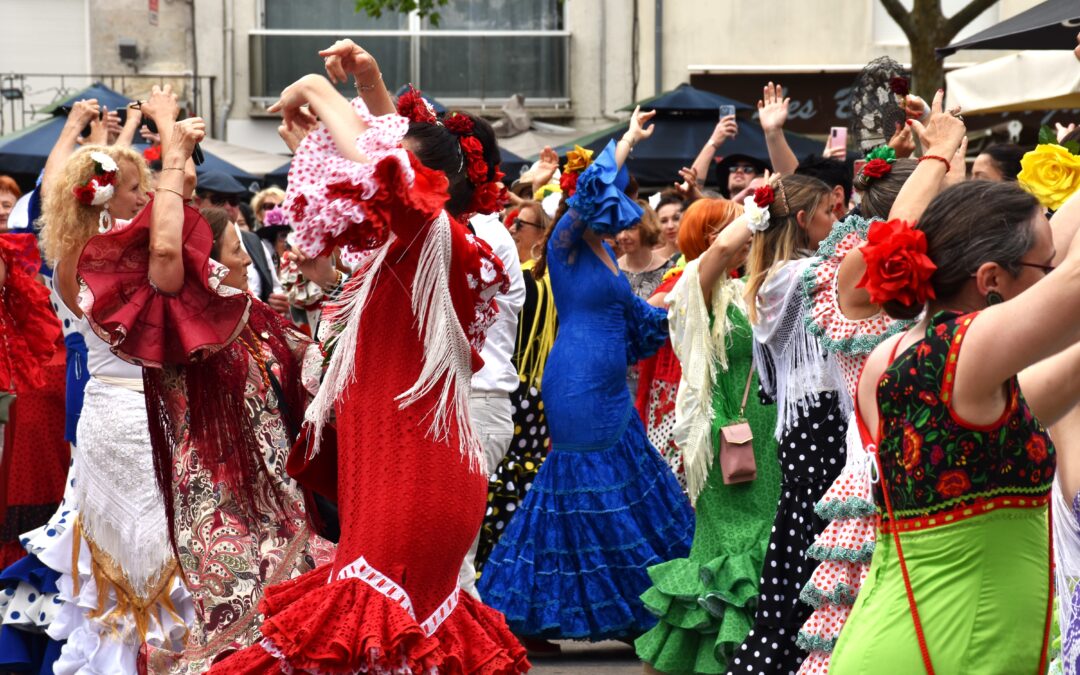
(604, 506)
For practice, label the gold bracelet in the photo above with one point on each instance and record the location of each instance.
(159, 189)
(172, 168)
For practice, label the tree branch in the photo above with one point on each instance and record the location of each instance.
(969, 13)
(901, 16)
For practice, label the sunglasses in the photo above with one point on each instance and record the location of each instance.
(218, 199)
(1046, 269)
(518, 223)
(266, 206)
(742, 168)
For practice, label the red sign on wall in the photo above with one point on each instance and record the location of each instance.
(154, 12)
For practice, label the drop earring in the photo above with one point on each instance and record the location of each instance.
(105, 220)
(993, 298)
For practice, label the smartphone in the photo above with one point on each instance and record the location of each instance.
(838, 137)
(726, 110)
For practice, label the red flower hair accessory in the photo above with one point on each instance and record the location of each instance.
(897, 267)
(459, 124)
(764, 196)
(412, 106)
(491, 196)
(876, 168)
(568, 183)
(477, 168)
(99, 189)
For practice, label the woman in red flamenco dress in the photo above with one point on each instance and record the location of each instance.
(35, 454)
(405, 335)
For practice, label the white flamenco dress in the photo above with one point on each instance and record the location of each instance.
(126, 600)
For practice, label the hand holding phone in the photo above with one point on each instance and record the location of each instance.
(836, 148)
(726, 110)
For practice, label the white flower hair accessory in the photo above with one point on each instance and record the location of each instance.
(100, 188)
(756, 208)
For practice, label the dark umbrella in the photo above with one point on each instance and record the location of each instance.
(685, 99)
(1050, 25)
(677, 141)
(279, 176)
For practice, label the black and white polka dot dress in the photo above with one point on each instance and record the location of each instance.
(811, 455)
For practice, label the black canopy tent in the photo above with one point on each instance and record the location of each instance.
(1050, 25)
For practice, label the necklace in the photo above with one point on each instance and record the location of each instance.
(257, 354)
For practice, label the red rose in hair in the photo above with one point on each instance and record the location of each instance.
(108, 178)
(459, 124)
(475, 165)
(876, 168)
(953, 483)
(488, 198)
(897, 267)
(763, 196)
(412, 106)
(85, 194)
(900, 86)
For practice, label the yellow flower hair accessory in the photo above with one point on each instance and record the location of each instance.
(1051, 173)
(578, 159)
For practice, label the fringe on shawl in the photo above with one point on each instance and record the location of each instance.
(341, 325)
(536, 345)
(791, 365)
(447, 352)
(1066, 576)
(701, 345)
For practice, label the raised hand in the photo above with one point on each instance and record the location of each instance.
(161, 106)
(99, 130)
(344, 58)
(545, 168)
(773, 107)
(151, 137)
(1064, 130)
(726, 128)
(293, 137)
(82, 112)
(640, 129)
(688, 189)
(943, 132)
(291, 105)
(185, 135)
(903, 141)
(957, 172)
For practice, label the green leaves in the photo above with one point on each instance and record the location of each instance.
(1048, 136)
(425, 8)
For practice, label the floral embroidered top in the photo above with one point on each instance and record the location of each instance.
(938, 467)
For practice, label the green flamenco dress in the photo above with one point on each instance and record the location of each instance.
(706, 602)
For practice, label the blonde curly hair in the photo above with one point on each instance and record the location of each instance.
(66, 224)
(261, 196)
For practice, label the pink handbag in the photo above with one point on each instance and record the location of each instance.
(737, 445)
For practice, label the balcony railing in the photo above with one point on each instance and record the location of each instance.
(24, 96)
(457, 67)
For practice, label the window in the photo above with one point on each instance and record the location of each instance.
(482, 50)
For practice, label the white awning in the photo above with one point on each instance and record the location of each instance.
(1029, 80)
(254, 162)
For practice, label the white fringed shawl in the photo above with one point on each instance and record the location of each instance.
(701, 345)
(800, 370)
(1066, 574)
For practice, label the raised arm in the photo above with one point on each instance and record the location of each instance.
(720, 256)
(131, 127)
(940, 139)
(81, 114)
(325, 105)
(167, 217)
(726, 128)
(772, 114)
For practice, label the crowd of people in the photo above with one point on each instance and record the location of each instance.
(411, 416)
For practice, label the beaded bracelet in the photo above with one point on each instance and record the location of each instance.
(947, 163)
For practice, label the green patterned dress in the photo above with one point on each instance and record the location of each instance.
(706, 602)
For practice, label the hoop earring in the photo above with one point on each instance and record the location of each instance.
(533, 253)
(105, 220)
(993, 298)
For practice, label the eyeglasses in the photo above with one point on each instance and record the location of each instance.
(518, 223)
(266, 206)
(742, 168)
(218, 199)
(1046, 269)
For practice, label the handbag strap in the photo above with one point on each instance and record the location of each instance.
(746, 392)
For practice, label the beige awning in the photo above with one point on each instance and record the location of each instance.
(1030, 80)
(253, 161)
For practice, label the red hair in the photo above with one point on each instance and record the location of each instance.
(8, 184)
(702, 218)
